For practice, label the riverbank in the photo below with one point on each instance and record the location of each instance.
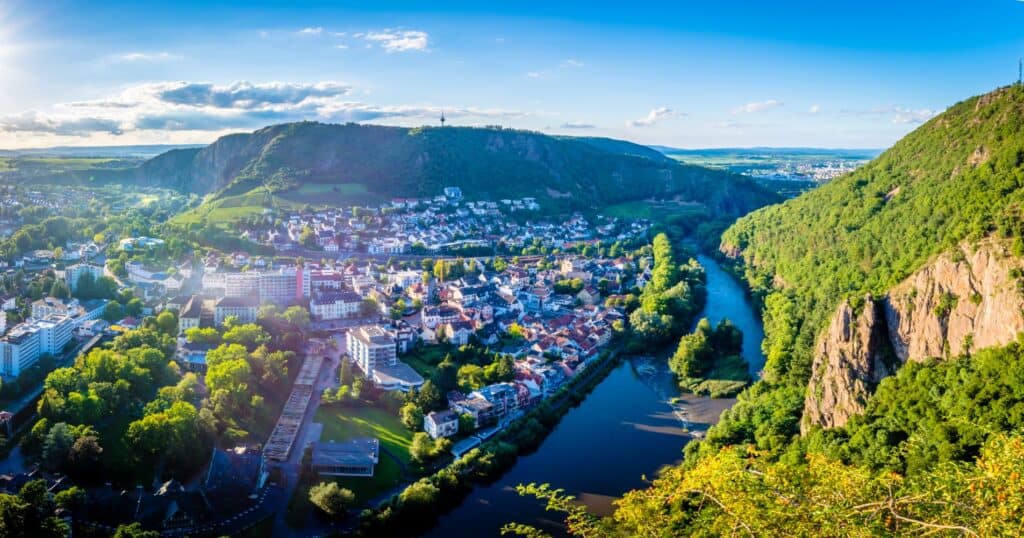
(632, 424)
(415, 509)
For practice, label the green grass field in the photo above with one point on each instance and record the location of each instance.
(344, 423)
(652, 210)
(340, 194)
(227, 209)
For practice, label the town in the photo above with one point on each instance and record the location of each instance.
(481, 312)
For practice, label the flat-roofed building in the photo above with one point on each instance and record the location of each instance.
(356, 457)
(371, 346)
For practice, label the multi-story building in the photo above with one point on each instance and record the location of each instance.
(243, 308)
(48, 306)
(285, 285)
(241, 284)
(21, 348)
(371, 346)
(54, 333)
(335, 305)
(74, 272)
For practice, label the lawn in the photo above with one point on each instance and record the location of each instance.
(651, 210)
(339, 194)
(344, 423)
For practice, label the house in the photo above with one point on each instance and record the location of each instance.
(589, 295)
(482, 411)
(92, 328)
(190, 314)
(441, 424)
(356, 457)
(457, 332)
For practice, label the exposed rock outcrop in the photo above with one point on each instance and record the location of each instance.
(963, 300)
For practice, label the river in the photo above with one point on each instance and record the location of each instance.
(623, 431)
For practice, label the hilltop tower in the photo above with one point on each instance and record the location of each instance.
(442, 118)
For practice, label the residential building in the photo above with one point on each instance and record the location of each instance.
(74, 272)
(335, 305)
(482, 411)
(190, 314)
(441, 424)
(243, 308)
(21, 348)
(370, 346)
(241, 284)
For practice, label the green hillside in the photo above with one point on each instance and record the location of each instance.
(344, 164)
(938, 449)
(959, 176)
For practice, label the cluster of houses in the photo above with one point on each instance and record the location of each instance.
(443, 224)
(552, 336)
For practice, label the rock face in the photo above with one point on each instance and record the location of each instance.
(964, 300)
(849, 361)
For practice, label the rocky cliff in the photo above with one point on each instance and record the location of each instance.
(966, 299)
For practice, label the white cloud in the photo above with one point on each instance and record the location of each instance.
(536, 74)
(652, 117)
(576, 125)
(341, 46)
(172, 107)
(145, 57)
(814, 109)
(898, 115)
(570, 63)
(34, 122)
(311, 31)
(757, 106)
(398, 40)
(921, 115)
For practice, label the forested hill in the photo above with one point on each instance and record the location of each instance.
(897, 291)
(957, 177)
(485, 162)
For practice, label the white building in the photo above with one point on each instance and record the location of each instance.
(441, 423)
(335, 305)
(21, 348)
(371, 346)
(75, 272)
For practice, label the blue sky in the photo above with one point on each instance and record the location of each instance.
(687, 74)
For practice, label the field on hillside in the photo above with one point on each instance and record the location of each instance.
(653, 210)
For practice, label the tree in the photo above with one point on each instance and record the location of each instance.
(430, 397)
(57, 445)
(134, 530)
(202, 335)
(331, 498)
(112, 312)
(412, 416)
(167, 322)
(60, 289)
(249, 335)
(297, 317)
